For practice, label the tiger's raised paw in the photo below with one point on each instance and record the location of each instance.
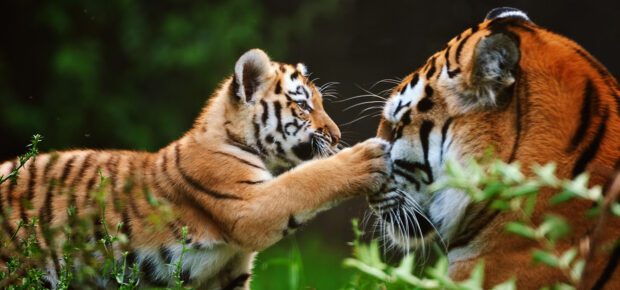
(369, 164)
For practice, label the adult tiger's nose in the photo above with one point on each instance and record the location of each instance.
(385, 130)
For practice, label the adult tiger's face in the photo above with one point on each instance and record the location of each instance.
(504, 84)
(280, 111)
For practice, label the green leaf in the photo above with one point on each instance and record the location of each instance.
(567, 258)
(511, 284)
(561, 197)
(577, 270)
(521, 230)
(546, 258)
(615, 208)
(553, 227)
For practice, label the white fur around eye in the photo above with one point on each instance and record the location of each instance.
(409, 97)
(302, 68)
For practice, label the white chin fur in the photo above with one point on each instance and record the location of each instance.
(406, 243)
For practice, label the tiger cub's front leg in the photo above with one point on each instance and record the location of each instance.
(284, 203)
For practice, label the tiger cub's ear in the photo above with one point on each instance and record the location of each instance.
(493, 67)
(251, 70)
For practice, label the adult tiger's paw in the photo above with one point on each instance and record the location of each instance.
(369, 165)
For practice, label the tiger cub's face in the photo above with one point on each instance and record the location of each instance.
(280, 111)
(443, 111)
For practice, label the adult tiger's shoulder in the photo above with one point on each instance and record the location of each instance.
(220, 180)
(534, 97)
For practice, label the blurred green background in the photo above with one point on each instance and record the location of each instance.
(134, 74)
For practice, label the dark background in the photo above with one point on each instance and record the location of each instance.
(134, 74)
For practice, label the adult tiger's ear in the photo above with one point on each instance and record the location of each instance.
(251, 70)
(494, 64)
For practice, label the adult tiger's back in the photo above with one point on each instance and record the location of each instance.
(220, 180)
(534, 97)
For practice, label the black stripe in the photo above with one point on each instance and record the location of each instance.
(407, 176)
(523, 92)
(446, 55)
(251, 181)
(483, 218)
(11, 188)
(6, 224)
(602, 71)
(86, 163)
(425, 130)
(27, 201)
(265, 114)
(278, 89)
(412, 167)
(292, 223)
(237, 142)
(590, 98)
(46, 215)
(238, 282)
(191, 201)
(257, 137)
(459, 48)
(590, 151)
(278, 114)
(112, 167)
(431, 70)
(426, 104)
(194, 183)
(166, 254)
(444, 134)
(148, 268)
(405, 121)
(294, 75)
(196, 205)
(234, 87)
(129, 188)
(157, 189)
(454, 72)
(240, 160)
(610, 268)
(400, 106)
(66, 170)
(414, 80)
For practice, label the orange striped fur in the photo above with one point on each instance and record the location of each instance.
(220, 180)
(532, 96)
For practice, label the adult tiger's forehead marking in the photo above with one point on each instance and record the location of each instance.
(506, 12)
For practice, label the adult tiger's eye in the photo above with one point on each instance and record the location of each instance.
(304, 106)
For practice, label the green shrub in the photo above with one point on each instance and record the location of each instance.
(509, 190)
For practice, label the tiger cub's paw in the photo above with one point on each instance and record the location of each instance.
(369, 163)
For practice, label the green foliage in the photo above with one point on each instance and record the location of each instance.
(28, 257)
(508, 189)
(22, 159)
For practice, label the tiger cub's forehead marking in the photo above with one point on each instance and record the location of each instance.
(294, 84)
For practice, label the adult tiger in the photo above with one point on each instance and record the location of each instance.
(217, 179)
(531, 95)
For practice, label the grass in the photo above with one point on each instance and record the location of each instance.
(296, 263)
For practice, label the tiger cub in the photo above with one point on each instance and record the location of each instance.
(218, 179)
